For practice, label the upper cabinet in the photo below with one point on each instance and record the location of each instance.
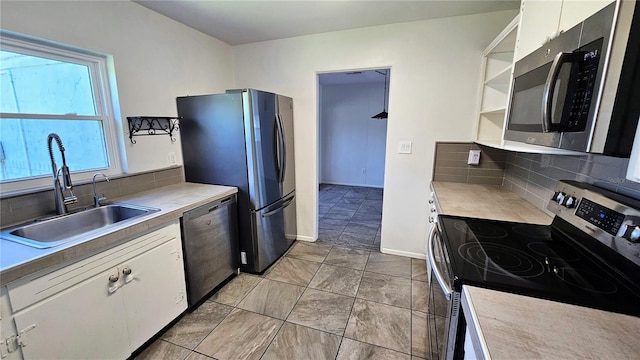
(538, 20)
(541, 21)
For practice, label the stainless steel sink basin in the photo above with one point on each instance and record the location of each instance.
(83, 224)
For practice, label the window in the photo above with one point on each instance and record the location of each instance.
(46, 89)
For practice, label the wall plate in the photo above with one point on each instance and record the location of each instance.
(404, 147)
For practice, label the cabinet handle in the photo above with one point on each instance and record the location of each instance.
(128, 276)
(113, 279)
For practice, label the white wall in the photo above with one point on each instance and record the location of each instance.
(156, 59)
(350, 140)
(436, 71)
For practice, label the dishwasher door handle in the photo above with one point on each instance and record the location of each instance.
(222, 202)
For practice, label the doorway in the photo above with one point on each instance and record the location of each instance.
(352, 145)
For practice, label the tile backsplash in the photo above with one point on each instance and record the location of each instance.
(19, 208)
(451, 164)
(534, 176)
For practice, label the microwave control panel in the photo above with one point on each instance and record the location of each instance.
(600, 216)
(580, 93)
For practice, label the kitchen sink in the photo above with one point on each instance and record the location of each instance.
(81, 225)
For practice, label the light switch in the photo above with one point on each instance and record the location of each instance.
(404, 147)
(474, 157)
(171, 157)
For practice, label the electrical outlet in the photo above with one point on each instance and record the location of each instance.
(172, 158)
(474, 157)
(404, 147)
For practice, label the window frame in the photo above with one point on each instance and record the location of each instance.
(100, 68)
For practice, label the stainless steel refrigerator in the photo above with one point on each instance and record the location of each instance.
(244, 138)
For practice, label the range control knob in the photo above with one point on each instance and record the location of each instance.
(559, 197)
(570, 202)
(630, 232)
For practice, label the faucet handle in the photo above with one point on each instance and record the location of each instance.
(70, 199)
(98, 199)
(66, 177)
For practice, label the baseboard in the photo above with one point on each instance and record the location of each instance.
(403, 253)
(359, 185)
(306, 238)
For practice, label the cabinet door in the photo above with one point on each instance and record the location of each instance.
(576, 11)
(82, 322)
(538, 19)
(155, 294)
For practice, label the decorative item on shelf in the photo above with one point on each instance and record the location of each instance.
(383, 114)
(153, 124)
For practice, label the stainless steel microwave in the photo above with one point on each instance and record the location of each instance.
(576, 91)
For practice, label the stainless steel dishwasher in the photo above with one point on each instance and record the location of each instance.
(210, 241)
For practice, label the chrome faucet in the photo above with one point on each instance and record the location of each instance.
(60, 200)
(97, 199)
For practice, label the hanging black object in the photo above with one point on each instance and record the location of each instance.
(383, 114)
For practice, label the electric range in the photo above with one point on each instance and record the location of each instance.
(588, 256)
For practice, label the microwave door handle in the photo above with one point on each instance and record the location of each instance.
(434, 267)
(549, 86)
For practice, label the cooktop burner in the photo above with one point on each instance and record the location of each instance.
(485, 230)
(501, 259)
(533, 260)
(533, 231)
(554, 250)
(596, 283)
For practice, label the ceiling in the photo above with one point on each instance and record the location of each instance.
(243, 21)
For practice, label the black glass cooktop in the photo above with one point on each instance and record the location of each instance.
(536, 260)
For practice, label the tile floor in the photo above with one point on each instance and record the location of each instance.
(319, 301)
(337, 298)
(350, 216)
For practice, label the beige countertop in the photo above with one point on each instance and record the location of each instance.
(521, 327)
(487, 202)
(17, 260)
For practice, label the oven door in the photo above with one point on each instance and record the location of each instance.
(443, 314)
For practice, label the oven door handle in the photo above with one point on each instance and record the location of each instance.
(434, 268)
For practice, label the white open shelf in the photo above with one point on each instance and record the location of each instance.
(506, 40)
(526, 148)
(496, 110)
(503, 77)
(496, 83)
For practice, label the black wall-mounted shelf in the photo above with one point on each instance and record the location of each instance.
(153, 125)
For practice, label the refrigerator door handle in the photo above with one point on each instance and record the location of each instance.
(283, 148)
(276, 148)
(279, 208)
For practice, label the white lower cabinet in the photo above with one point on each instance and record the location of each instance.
(9, 349)
(155, 294)
(83, 322)
(117, 300)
